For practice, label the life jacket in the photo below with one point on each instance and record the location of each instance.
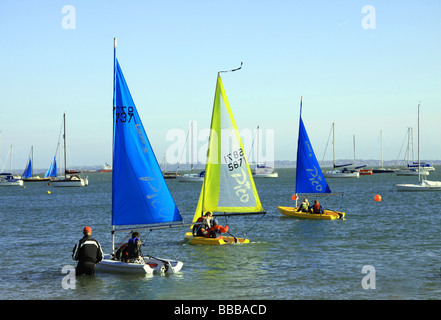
(317, 208)
(197, 227)
(216, 231)
(133, 248)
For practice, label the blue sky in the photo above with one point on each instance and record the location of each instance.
(366, 80)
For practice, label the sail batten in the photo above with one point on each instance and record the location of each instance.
(228, 185)
(139, 192)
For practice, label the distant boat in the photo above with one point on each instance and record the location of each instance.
(73, 180)
(6, 178)
(28, 174)
(107, 168)
(140, 196)
(309, 178)
(366, 172)
(228, 188)
(422, 185)
(382, 169)
(192, 176)
(339, 173)
(411, 170)
(165, 174)
(263, 171)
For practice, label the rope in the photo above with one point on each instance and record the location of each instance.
(255, 224)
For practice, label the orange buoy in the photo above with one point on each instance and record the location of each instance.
(377, 198)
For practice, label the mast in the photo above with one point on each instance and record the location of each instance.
(419, 168)
(381, 144)
(113, 165)
(64, 138)
(333, 143)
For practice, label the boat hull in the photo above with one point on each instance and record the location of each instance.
(151, 266)
(412, 173)
(424, 185)
(190, 239)
(11, 183)
(80, 182)
(189, 179)
(327, 215)
(266, 175)
(337, 174)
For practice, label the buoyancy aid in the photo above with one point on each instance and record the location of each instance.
(216, 231)
(317, 208)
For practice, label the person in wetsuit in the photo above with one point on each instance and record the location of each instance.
(88, 253)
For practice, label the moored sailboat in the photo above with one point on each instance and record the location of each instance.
(337, 172)
(422, 185)
(228, 188)
(309, 179)
(74, 180)
(28, 173)
(140, 196)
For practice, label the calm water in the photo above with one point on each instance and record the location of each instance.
(286, 259)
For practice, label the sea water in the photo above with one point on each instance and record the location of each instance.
(382, 250)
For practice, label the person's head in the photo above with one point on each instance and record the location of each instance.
(316, 202)
(136, 234)
(209, 215)
(87, 231)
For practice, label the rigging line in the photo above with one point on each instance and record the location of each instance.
(326, 148)
(255, 224)
(185, 147)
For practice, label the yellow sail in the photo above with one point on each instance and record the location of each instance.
(228, 184)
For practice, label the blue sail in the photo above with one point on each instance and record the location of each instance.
(309, 176)
(52, 171)
(139, 192)
(28, 171)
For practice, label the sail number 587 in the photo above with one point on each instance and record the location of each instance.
(234, 159)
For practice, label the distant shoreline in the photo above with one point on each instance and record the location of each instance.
(278, 164)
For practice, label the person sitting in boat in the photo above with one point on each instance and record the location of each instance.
(132, 250)
(304, 206)
(216, 230)
(202, 229)
(317, 208)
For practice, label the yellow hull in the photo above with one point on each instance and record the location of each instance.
(190, 239)
(327, 215)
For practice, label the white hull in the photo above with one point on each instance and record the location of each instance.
(151, 266)
(11, 183)
(190, 178)
(412, 173)
(265, 175)
(77, 182)
(341, 174)
(424, 185)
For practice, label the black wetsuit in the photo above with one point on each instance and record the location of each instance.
(88, 253)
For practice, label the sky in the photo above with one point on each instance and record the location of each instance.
(365, 65)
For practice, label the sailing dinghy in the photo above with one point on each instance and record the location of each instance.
(140, 196)
(309, 178)
(228, 188)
